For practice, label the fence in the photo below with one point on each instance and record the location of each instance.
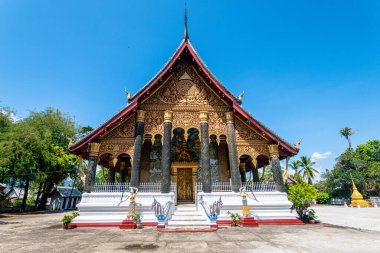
(121, 187)
(339, 202)
(250, 186)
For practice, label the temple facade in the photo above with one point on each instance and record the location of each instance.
(183, 129)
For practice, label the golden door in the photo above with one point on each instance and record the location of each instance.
(184, 185)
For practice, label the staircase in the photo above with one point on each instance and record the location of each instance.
(186, 216)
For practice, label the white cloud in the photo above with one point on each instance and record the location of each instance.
(320, 156)
(10, 115)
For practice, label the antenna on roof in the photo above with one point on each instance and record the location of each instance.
(185, 35)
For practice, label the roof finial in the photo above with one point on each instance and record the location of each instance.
(185, 35)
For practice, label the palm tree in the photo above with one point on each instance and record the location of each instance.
(346, 133)
(309, 172)
(294, 165)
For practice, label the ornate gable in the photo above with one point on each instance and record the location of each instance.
(184, 88)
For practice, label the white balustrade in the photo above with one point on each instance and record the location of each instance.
(250, 186)
(125, 187)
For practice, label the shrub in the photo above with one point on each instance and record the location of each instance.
(67, 219)
(322, 198)
(301, 195)
(234, 218)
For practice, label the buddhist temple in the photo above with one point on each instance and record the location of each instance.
(183, 138)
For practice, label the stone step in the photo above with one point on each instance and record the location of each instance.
(187, 214)
(186, 205)
(190, 227)
(189, 218)
(186, 223)
(186, 209)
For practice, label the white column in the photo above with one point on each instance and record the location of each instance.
(67, 203)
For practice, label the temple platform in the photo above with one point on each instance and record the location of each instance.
(110, 209)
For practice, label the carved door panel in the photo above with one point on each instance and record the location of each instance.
(184, 185)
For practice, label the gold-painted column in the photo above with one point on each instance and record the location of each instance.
(232, 153)
(276, 167)
(93, 153)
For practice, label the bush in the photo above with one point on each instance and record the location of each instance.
(323, 198)
(67, 219)
(301, 195)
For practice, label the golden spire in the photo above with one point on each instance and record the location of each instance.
(357, 197)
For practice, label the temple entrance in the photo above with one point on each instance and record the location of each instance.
(184, 185)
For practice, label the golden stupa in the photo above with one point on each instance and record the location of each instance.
(356, 197)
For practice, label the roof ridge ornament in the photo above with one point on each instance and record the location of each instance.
(185, 34)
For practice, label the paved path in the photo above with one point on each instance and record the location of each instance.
(361, 218)
(43, 233)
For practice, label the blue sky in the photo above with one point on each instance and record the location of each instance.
(308, 68)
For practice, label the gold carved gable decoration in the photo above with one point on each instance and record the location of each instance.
(125, 130)
(243, 132)
(185, 88)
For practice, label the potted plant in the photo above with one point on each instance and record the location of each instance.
(310, 216)
(137, 219)
(66, 220)
(234, 218)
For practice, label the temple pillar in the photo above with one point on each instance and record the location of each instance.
(255, 170)
(166, 156)
(214, 161)
(111, 168)
(92, 163)
(139, 132)
(123, 172)
(232, 153)
(205, 153)
(276, 167)
(243, 170)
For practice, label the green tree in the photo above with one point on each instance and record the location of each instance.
(346, 133)
(295, 165)
(35, 150)
(338, 180)
(301, 195)
(307, 170)
(369, 154)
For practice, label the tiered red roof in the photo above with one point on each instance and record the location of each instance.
(80, 147)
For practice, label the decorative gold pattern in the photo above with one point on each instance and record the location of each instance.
(230, 117)
(243, 132)
(184, 185)
(117, 147)
(186, 120)
(125, 130)
(93, 149)
(140, 116)
(203, 117)
(273, 150)
(185, 87)
(154, 122)
(168, 116)
(112, 161)
(217, 123)
(253, 150)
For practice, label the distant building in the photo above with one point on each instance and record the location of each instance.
(64, 198)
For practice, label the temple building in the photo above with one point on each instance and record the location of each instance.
(183, 133)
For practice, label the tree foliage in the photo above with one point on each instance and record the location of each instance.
(346, 132)
(363, 164)
(307, 170)
(301, 194)
(34, 150)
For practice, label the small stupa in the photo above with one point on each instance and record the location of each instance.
(357, 198)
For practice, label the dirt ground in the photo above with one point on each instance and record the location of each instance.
(42, 232)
